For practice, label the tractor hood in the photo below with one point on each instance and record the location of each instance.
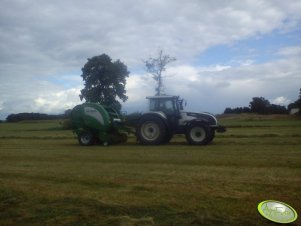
(204, 116)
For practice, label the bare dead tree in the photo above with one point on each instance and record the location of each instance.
(156, 66)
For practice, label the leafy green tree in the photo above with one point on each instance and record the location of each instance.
(237, 110)
(104, 81)
(156, 66)
(259, 105)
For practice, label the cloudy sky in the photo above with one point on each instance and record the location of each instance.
(227, 51)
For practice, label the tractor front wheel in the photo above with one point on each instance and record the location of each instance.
(198, 134)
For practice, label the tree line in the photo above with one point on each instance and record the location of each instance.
(35, 116)
(260, 105)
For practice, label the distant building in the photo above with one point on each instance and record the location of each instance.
(294, 111)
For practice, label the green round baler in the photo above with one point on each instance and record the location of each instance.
(97, 123)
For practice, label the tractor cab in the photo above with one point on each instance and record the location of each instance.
(169, 105)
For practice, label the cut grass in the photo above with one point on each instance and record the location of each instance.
(55, 181)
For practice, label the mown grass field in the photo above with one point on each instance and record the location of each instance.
(46, 178)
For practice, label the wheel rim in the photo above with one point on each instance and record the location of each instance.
(85, 138)
(150, 131)
(198, 134)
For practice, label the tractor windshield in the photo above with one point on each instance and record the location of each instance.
(160, 104)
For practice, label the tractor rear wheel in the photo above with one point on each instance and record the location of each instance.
(198, 134)
(151, 131)
(86, 138)
(211, 136)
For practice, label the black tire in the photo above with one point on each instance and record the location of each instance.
(168, 137)
(151, 131)
(211, 135)
(198, 134)
(86, 138)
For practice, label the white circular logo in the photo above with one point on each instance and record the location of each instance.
(278, 212)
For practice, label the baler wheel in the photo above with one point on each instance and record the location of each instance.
(86, 138)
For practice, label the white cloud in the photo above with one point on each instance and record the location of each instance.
(42, 33)
(281, 101)
(36, 96)
(291, 51)
(58, 101)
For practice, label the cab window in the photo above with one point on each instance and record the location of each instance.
(152, 105)
(167, 106)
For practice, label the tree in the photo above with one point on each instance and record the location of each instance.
(259, 105)
(156, 66)
(32, 116)
(104, 81)
(237, 110)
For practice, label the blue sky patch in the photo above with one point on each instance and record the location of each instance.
(258, 49)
